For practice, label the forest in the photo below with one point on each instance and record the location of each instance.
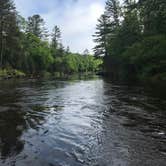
(131, 36)
(27, 47)
(130, 42)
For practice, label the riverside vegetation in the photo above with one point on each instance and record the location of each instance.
(25, 48)
(132, 37)
(130, 42)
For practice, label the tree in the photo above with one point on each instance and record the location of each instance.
(36, 26)
(107, 27)
(56, 37)
(67, 50)
(153, 15)
(60, 50)
(130, 29)
(38, 55)
(113, 12)
(56, 45)
(107, 32)
(23, 46)
(101, 35)
(9, 32)
(22, 23)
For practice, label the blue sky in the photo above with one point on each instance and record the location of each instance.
(76, 18)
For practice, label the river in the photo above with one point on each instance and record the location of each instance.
(86, 122)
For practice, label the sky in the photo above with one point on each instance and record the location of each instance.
(77, 19)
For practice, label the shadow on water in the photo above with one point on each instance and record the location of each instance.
(16, 117)
(12, 125)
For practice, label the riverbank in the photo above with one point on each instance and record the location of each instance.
(6, 74)
(11, 73)
(156, 84)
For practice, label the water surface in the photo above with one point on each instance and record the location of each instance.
(88, 122)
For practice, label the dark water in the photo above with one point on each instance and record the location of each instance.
(80, 123)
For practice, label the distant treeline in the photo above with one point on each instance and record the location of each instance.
(132, 37)
(25, 45)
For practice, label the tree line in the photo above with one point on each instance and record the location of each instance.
(131, 37)
(25, 45)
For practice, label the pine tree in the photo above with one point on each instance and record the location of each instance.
(107, 27)
(36, 26)
(8, 31)
(56, 37)
(153, 14)
(131, 28)
(56, 45)
(67, 50)
(113, 12)
(101, 35)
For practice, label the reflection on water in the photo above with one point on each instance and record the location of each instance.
(10, 132)
(83, 122)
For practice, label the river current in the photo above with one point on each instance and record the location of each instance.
(86, 122)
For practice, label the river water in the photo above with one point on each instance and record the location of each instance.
(88, 122)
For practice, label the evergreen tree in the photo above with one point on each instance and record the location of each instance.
(36, 26)
(56, 37)
(9, 32)
(113, 12)
(130, 29)
(67, 50)
(101, 35)
(153, 15)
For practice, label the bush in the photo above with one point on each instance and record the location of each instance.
(11, 73)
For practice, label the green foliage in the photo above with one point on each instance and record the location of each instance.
(107, 26)
(56, 37)
(153, 15)
(136, 39)
(9, 33)
(24, 46)
(101, 36)
(38, 57)
(8, 73)
(74, 63)
(147, 56)
(36, 26)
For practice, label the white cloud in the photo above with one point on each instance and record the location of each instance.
(77, 20)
